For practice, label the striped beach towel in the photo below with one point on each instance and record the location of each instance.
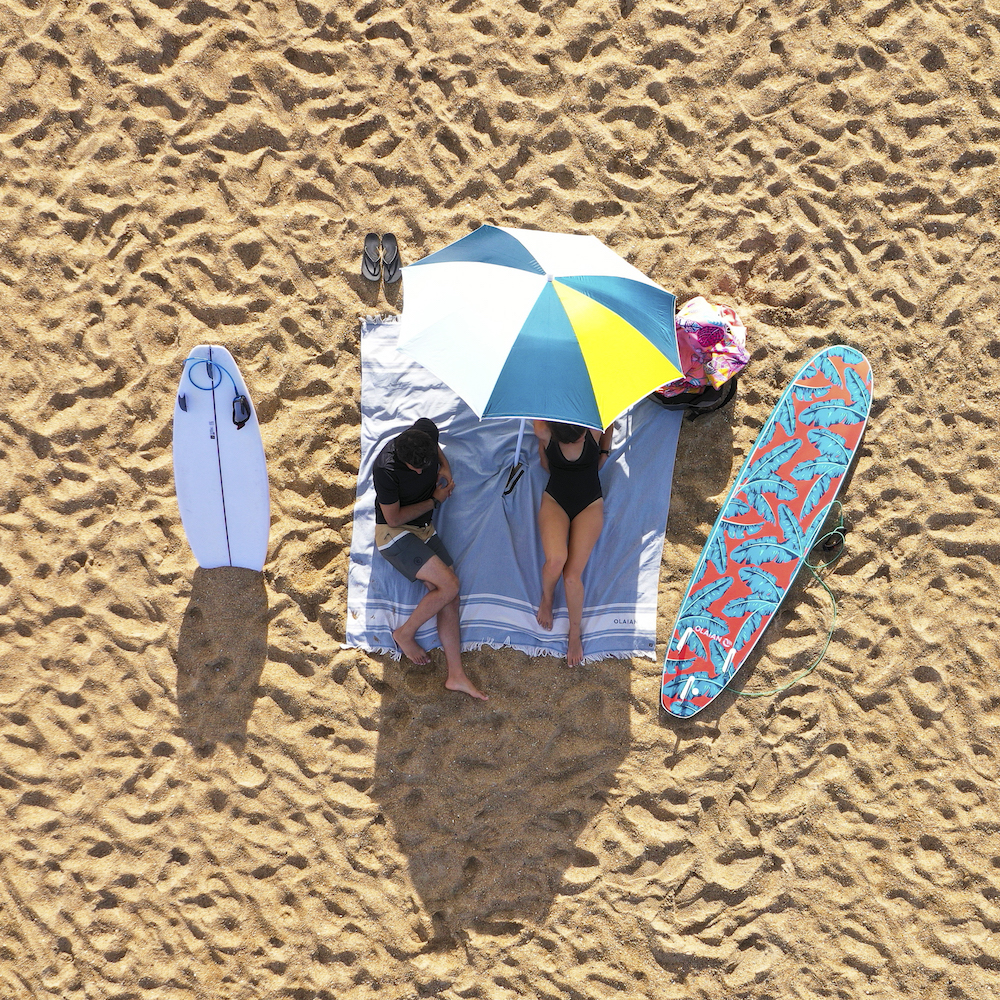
(494, 538)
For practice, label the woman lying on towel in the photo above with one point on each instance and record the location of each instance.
(570, 518)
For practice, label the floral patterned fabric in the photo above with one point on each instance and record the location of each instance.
(713, 347)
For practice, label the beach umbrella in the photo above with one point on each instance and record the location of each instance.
(537, 325)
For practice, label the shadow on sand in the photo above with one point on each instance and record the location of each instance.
(221, 653)
(487, 800)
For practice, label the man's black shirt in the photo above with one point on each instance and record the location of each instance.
(396, 482)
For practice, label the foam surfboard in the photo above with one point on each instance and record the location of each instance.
(220, 473)
(769, 521)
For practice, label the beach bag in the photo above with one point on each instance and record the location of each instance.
(699, 401)
(711, 340)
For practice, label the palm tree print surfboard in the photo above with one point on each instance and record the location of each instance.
(769, 521)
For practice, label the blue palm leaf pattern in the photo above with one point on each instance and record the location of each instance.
(761, 584)
(754, 492)
(810, 391)
(785, 522)
(718, 655)
(735, 507)
(679, 666)
(811, 529)
(700, 601)
(831, 446)
(784, 414)
(735, 530)
(766, 549)
(748, 628)
(817, 490)
(849, 354)
(829, 369)
(760, 504)
(694, 642)
(715, 552)
(693, 639)
(790, 526)
(860, 395)
(744, 606)
(826, 413)
(682, 709)
(804, 472)
(769, 463)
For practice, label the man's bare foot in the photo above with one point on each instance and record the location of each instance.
(411, 648)
(544, 615)
(574, 654)
(463, 684)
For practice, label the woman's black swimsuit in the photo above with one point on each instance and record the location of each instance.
(574, 485)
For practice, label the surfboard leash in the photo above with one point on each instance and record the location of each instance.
(832, 540)
(241, 405)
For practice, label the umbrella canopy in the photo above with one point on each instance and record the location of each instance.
(538, 325)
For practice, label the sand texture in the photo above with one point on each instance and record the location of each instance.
(203, 795)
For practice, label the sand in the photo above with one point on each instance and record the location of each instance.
(203, 794)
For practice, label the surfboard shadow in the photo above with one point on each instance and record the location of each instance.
(487, 801)
(221, 653)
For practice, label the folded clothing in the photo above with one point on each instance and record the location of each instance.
(712, 342)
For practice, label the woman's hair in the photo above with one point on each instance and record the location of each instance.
(566, 433)
(416, 448)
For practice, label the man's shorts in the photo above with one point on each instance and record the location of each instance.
(407, 549)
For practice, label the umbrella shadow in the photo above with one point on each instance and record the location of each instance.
(221, 651)
(487, 800)
(703, 468)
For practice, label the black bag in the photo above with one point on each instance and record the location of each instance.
(697, 404)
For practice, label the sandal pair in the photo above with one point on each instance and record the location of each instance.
(381, 258)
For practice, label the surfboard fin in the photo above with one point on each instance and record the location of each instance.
(182, 402)
(241, 411)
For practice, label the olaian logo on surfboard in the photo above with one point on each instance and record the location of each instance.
(709, 635)
(211, 430)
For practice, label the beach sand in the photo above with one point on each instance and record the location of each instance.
(203, 794)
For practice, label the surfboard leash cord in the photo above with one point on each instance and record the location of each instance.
(241, 406)
(835, 536)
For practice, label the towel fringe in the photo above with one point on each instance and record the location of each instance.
(392, 651)
(471, 647)
(380, 318)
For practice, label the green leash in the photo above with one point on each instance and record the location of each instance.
(823, 542)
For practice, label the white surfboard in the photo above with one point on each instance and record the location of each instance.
(219, 468)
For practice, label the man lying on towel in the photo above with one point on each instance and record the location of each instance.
(412, 479)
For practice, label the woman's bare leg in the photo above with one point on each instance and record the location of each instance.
(584, 531)
(553, 526)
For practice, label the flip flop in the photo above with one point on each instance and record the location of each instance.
(391, 269)
(370, 264)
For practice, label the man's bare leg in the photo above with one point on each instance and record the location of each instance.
(442, 589)
(448, 633)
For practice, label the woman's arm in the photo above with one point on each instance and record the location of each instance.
(604, 443)
(542, 432)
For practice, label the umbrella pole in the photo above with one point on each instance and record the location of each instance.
(517, 469)
(520, 438)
